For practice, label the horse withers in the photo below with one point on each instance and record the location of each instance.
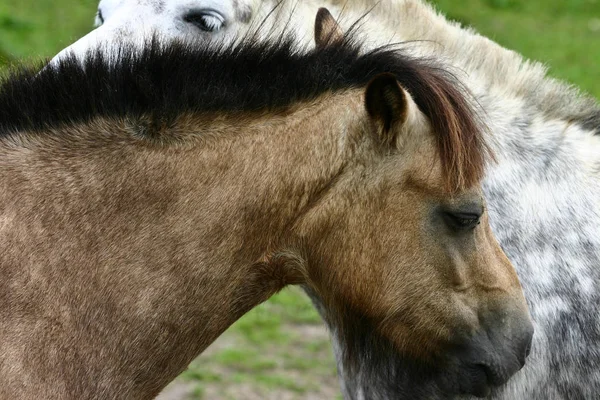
(149, 203)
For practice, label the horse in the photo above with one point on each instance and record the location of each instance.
(149, 203)
(545, 134)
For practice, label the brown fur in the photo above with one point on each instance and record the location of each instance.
(123, 258)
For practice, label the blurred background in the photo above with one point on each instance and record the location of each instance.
(280, 350)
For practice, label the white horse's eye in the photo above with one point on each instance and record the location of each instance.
(205, 20)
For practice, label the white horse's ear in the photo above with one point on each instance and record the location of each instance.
(327, 30)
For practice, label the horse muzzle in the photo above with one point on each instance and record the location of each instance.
(491, 356)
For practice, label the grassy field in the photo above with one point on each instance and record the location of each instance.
(280, 350)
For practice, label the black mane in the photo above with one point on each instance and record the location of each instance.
(162, 82)
(165, 81)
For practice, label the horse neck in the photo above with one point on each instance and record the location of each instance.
(173, 242)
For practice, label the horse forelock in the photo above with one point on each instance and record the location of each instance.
(456, 124)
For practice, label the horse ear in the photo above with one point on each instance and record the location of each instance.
(388, 104)
(327, 30)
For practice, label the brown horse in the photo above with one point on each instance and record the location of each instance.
(145, 206)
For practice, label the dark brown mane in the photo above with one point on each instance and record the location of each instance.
(162, 82)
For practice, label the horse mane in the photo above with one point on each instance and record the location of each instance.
(165, 80)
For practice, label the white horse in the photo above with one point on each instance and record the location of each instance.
(543, 193)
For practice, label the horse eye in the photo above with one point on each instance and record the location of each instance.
(205, 20)
(461, 221)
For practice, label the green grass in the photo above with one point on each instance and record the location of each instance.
(563, 34)
(278, 347)
(35, 29)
